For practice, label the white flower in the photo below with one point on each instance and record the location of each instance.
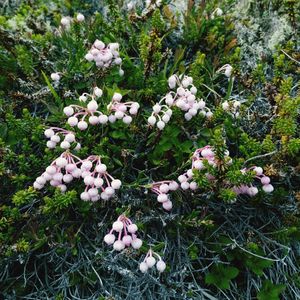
(143, 267)
(55, 76)
(161, 125)
(80, 17)
(160, 266)
(151, 120)
(119, 245)
(117, 226)
(150, 261)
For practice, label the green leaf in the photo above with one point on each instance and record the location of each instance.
(52, 90)
(116, 134)
(257, 265)
(186, 146)
(3, 130)
(221, 275)
(270, 291)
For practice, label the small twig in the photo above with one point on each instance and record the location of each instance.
(211, 90)
(260, 156)
(293, 59)
(259, 256)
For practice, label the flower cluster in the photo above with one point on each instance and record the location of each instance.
(206, 153)
(105, 55)
(162, 188)
(68, 166)
(253, 190)
(149, 261)
(95, 176)
(66, 21)
(122, 110)
(184, 98)
(201, 158)
(58, 135)
(117, 110)
(62, 170)
(232, 107)
(126, 232)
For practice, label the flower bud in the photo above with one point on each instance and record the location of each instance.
(160, 266)
(103, 119)
(156, 108)
(119, 245)
(109, 239)
(162, 198)
(93, 120)
(136, 243)
(117, 97)
(116, 184)
(150, 261)
(143, 267)
(132, 228)
(92, 105)
(61, 162)
(98, 92)
(118, 226)
(127, 239)
(65, 145)
(268, 188)
(80, 17)
(85, 196)
(151, 120)
(51, 144)
(70, 137)
(49, 133)
(55, 76)
(161, 125)
(167, 205)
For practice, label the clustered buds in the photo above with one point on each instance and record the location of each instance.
(58, 135)
(150, 261)
(105, 56)
(94, 173)
(162, 188)
(253, 190)
(232, 107)
(184, 98)
(206, 153)
(78, 114)
(126, 232)
(122, 110)
(95, 176)
(66, 21)
(200, 159)
(61, 171)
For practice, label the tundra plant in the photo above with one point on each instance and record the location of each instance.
(184, 98)
(99, 184)
(151, 259)
(126, 232)
(116, 109)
